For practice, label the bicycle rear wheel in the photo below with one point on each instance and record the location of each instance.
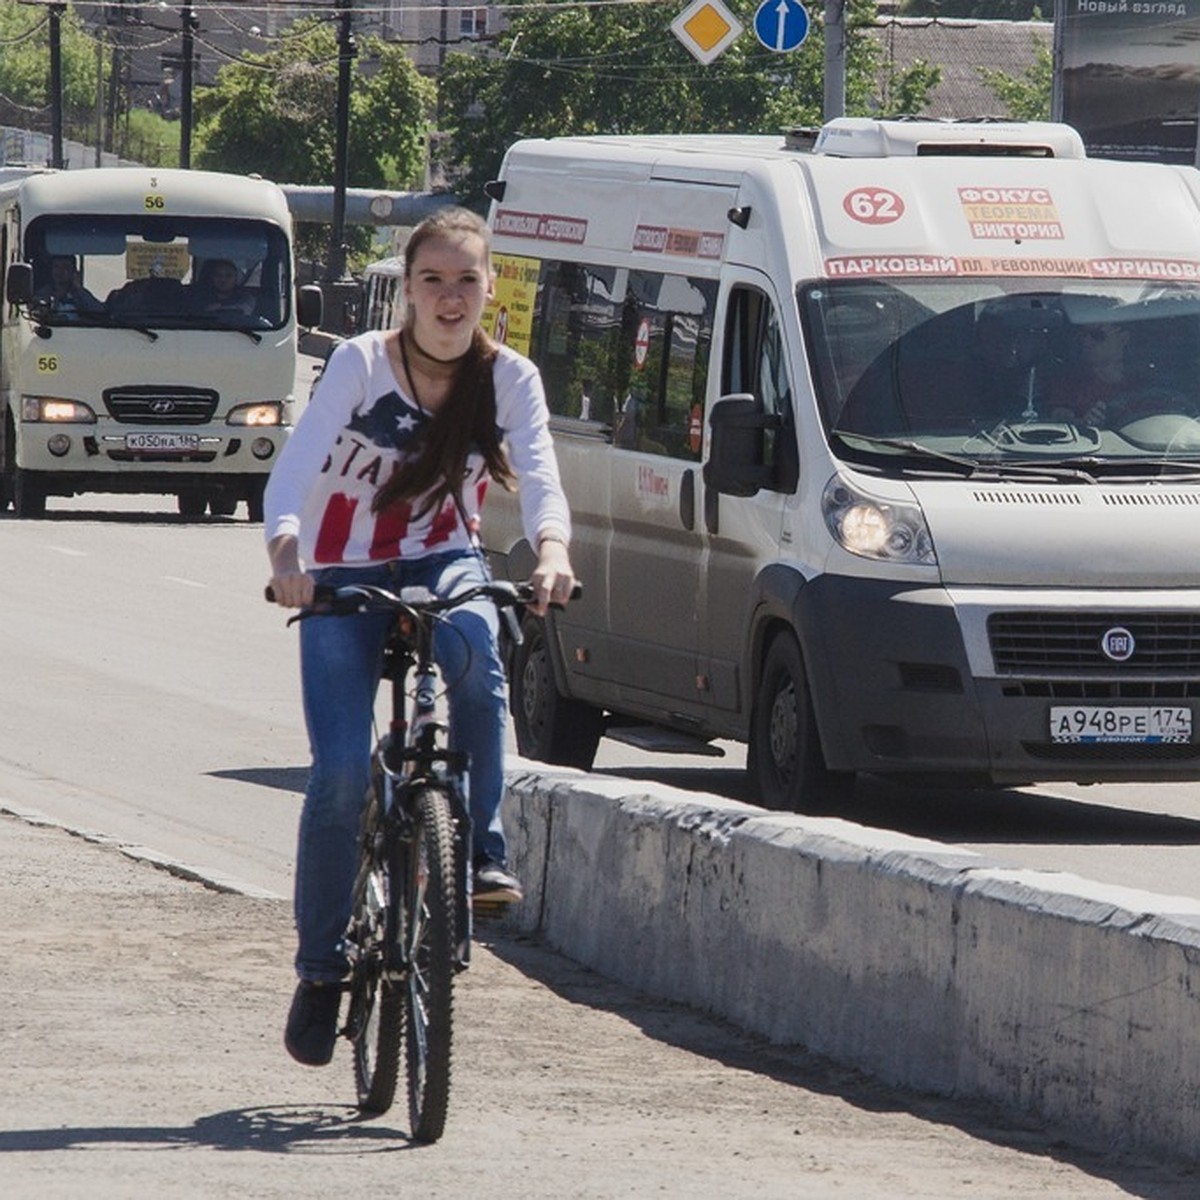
(429, 895)
(376, 1018)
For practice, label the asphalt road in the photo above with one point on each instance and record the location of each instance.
(166, 711)
(150, 696)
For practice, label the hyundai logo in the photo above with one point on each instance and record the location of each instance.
(1118, 644)
(162, 408)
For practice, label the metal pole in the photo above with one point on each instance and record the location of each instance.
(56, 97)
(835, 59)
(185, 100)
(100, 85)
(335, 268)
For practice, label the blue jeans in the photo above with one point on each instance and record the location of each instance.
(340, 670)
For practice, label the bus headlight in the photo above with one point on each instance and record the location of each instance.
(268, 412)
(874, 528)
(54, 408)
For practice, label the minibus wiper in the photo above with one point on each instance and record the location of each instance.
(972, 466)
(917, 449)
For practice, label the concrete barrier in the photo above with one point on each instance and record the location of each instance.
(924, 966)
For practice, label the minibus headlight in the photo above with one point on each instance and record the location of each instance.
(54, 408)
(874, 528)
(269, 412)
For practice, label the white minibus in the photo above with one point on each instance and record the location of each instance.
(148, 337)
(883, 453)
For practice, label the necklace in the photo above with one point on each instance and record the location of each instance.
(431, 366)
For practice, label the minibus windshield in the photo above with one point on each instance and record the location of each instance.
(1007, 371)
(150, 271)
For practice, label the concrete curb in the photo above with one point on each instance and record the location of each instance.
(926, 967)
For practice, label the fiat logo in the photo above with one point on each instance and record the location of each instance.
(162, 407)
(1118, 644)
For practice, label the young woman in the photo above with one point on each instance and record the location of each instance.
(382, 482)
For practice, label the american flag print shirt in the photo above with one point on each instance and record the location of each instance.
(358, 428)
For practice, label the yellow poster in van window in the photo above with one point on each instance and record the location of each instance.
(169, 260)
(508, 316)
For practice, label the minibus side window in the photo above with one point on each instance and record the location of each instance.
(755, 363)
(666, 336)
(576, 330)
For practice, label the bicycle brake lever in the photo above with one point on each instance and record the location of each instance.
(513, 625)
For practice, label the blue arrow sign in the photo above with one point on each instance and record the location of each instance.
(781, 25)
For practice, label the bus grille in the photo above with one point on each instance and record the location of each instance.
(161, 405)
(1050, 642)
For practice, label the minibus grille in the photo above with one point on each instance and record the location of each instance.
(150, 405)
(1058, 642)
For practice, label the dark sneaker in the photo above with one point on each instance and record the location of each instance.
(312, 1025)
(495, 884)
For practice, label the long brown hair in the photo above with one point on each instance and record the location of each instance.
(466, 419)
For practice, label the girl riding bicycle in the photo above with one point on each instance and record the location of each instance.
(382, 482)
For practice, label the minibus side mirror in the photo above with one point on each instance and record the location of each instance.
(735, 451)
(18, 283)
(310, 306)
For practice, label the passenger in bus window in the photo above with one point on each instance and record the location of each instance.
(1106, 383)
(219, 289)
(64, 295)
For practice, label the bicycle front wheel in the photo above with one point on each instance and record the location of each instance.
(429, 895)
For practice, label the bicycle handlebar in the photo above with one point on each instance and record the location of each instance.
(364, 597)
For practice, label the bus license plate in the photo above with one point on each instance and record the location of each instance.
(1149, 724)
(164, 443)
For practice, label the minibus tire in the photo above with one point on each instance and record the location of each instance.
(192, 503)
(786, 764)
(549, 726)
(254, 500)
(29, 495)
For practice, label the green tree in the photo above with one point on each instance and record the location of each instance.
(275, 113)
(1025, 96)
(979, 10)
(25, 62)
(618, 68)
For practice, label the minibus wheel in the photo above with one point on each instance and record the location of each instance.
(192, 503)
(550, 727)
(785, 761)
(29, 495)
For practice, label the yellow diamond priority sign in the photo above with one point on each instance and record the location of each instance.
(707, 28)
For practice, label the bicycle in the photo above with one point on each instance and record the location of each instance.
(410, 926)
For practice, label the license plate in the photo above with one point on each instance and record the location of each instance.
(1149, 723)
(166, 443)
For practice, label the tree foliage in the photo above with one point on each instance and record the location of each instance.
(979, 10)
(619, 68)
(275, 113)
(1025, 96)
(25, 60)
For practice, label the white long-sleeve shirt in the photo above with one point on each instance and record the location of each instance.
(354, 432)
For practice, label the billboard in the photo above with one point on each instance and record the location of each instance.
(1128, 76)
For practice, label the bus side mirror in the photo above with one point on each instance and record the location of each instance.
(736, 448)
(18, 283)
(309, 306)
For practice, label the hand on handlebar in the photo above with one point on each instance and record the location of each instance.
(291, 589)
(553, 578)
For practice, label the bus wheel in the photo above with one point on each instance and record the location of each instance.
(254, 500)
(549, 726)
(28, 495)
(785, 760)
(222, 505)
(192, 503)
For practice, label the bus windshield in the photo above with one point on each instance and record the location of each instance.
(1005, 370)
(159, 271)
